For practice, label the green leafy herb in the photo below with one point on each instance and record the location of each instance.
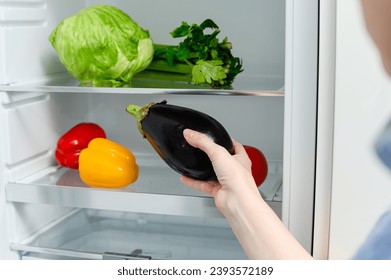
(201, 56)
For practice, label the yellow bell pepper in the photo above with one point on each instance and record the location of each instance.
(107, 164)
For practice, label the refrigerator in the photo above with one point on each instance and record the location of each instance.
(281, 103)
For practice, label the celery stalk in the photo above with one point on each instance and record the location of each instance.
(162, 66)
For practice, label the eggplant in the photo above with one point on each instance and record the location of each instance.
(162, 125)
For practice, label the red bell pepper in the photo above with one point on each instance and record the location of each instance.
(74, 140)
(259, 166)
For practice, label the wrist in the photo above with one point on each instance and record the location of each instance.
(260, 231)
(246, 200)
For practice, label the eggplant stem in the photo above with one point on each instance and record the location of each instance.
(139, 113)
(135, 111)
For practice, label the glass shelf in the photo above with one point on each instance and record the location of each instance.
(96, 234)
(157, 190)
(258, 86)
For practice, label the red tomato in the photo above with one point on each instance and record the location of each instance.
(259, 167)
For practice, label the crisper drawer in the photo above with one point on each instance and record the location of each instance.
(97, 234)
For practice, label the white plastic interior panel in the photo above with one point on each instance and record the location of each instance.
(26, 53)
(36, 123)
(30, 130)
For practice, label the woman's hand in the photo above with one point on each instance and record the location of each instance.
(258, 229)
(234, 177)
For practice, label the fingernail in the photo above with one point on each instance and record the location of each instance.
(188, 133)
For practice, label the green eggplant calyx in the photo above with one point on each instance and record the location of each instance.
(139, 113)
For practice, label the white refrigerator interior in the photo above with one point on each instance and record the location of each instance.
(47, 212)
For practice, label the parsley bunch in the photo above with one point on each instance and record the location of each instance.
(201, 55)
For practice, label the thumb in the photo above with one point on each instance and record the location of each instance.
(203, 142)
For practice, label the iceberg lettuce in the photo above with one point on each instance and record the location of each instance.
(102, 46)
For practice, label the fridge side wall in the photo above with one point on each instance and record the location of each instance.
(325, 128)
(25, 28)
(300, 118)
(26, 148)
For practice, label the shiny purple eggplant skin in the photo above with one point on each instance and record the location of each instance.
(163, 124)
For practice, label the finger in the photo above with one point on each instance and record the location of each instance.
(238, 147)
(241, 154)
(203, 142)
(196, 139)
(205, 187)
